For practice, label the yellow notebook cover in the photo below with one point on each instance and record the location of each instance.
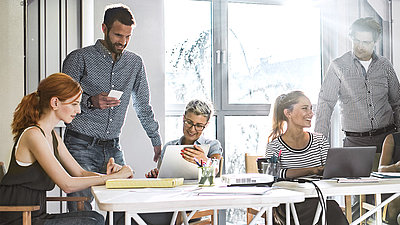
(144, 183)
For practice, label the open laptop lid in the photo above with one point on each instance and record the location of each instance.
(174, 166)
(349, 162)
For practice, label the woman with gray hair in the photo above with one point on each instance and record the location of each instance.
(195, 119)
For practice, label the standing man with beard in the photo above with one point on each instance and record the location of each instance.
(367, 88)
(93, 137)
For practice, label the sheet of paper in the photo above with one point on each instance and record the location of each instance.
(358, 180)
(233, 190)
(386, 174)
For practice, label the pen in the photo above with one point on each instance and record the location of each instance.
(197, 161)
(279, 155)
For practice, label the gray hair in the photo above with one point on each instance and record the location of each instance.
(199, 107)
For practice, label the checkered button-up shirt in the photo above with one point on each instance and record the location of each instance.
(369, 98)
(94, 68)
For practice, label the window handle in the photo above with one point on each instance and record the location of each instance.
(218, 56)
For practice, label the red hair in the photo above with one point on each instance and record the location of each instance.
(33, 105)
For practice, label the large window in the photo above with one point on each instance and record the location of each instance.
(240, 55)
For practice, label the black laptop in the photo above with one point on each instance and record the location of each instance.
(349, 162)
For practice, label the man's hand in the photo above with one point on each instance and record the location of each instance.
(157, 153)
(102, 101)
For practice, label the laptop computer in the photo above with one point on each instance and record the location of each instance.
(174, 166)
(349, 162)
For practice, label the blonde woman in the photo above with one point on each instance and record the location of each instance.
(300, 152)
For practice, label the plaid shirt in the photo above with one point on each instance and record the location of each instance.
(94, 68)
(368, 99)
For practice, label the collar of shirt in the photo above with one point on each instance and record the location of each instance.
(103, 49)
(373, 56)
(199, 141)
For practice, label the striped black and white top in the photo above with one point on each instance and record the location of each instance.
(313, 155)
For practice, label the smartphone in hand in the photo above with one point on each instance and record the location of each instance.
(115, 94)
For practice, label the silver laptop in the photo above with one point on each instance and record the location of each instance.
(349, 162)
(174, 166)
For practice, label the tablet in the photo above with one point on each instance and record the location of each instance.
(174, 166)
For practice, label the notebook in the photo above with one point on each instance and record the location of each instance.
(349, 162)
(144, 183)
(174, 166)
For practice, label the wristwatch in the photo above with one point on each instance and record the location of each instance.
(89, 103)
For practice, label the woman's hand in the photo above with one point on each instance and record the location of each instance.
(125, 172)
(112, 167)
(196, 152)
(152, 174)
(318, 170)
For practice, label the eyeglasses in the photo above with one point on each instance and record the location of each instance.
(364, 43)
(189, 124)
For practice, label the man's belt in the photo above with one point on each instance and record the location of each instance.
(372, 132)
(90, 139)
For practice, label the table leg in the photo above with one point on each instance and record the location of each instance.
(259, 214)
(215, 217)
(191, 214)
(185, 218)
(174, 216)
(378, 207)
(287, 213)
(296, 219)
(135, 216)
(378, 218)
(269, 216)
(110, 217)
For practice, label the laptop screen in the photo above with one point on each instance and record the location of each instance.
(349, 162)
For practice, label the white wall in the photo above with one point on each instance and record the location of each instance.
(147, 41)
(11, 70)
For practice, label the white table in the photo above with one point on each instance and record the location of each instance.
(182, 198)
(333, 188)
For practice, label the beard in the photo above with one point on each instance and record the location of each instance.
(113, 46)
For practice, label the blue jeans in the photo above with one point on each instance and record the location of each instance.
(92, 157)
(75, 218)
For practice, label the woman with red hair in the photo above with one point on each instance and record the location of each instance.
(39, 158)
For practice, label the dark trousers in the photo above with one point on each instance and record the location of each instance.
(365, 141)
(306, 212)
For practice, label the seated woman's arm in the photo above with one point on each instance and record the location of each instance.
(287, 171)
(385, 163)
(300, 172)
(76, 178)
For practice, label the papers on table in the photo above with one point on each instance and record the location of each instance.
(358, 180)
(386, 174)
(236, 190)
